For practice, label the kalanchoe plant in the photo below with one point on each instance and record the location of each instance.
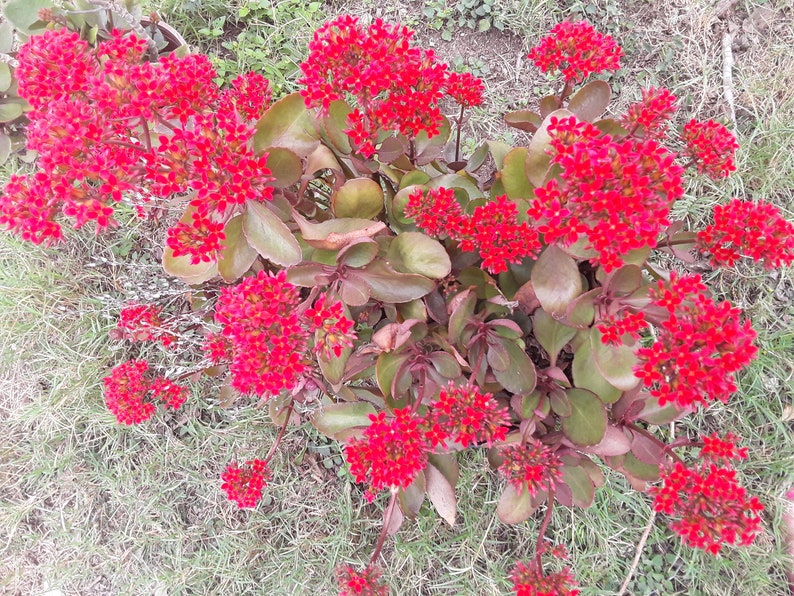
(409, 303)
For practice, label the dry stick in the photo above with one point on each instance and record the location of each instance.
(7, 59)
(727, 75)
(637, 554)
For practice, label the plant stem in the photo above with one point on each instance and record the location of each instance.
(457, 138)
(658, 441)
(281, 432)
(540, 547)
(566, 91)
(384, 530)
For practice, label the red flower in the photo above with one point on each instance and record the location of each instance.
(168, 392)
(436, 211)
(142, 322)
(28, 206)
(651, 114)
(465, 89)
(250, 95)
(533, 466)
(576, 49)
(200, 240)
(713, 508)
(529, 580)
(467, 416)
(390, 454)
(360, 583)
(334, 331)
(613, 329)
(268, 341)
(747, 228)
(699, 346)
(244, 484)
(130, 395)
(711, 146)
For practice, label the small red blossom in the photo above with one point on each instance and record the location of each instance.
(652, 114)
(244, 485)
(436, 211)
(746, 228)
(200, 240)
(333, 330)
(142, 322)
(529, 580)
(131, 395)
(711, 146)
(466, 415)
(360, 583)
(699, 346)
(169, 393)
(391, 453)
(217, 348)
(713, 509)
(250, 95)
(531, 466)
(465, 89)
(614, 328)
(577, 50)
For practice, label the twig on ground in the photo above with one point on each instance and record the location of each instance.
(727, 75)
(638, 554)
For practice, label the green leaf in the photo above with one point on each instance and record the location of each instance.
(447, 464)
(441, 494)
(414, 178)
(428, 148)
(462, 309)
(386, 370)
(653, 413)
(5, 147)
(412, 497)
(616, 363)
(285, 165)
(624, 281)
(336, 418)
(538, 159)
(334, 124)
(287, 123)
(334, 234)
(477, 158)
(591, 101)
(6, 37)
(10, 111)
(520, 376)
(359, 252)
(581, 311)
(5, 77)
(498, 151)
(615, 442)
(236, 256)
(556, 280)
(270, 236)
(587, 376)
(514, 175)
(551, 334)
(359, 197)
(320, 159)
(582, 489)
(515, 507)
(181, 268)
(414, 252)
(588, 420)
(24, 13)
(525, 120)
(387, 285)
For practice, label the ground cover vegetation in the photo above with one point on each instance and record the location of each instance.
(460, 297)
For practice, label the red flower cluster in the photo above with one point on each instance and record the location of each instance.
(576, 49)
(652, 114)
(95, 114)
(617, 193)
(711, 146)
(531, 466)
(493, 229)
(142, 322)
(747, 228)
(244, 485)
(333, 330)
(467, 416)
(613, 328)
(396, 87)
(131, 395)
(391, 453)
(266, 336)
(699, 347)
(713, 508)
(360, 583)
(465, 89)
(529, 580)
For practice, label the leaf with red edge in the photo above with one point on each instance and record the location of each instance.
(538, 158)
(520, 375)
(515, 507)
(359, 197)
(587, 376)
(525, 120)
(646, 450)
(591, 101)
(556, 280)
(287, 123)
(588, 420)
(412, 497)
(447, 464)
(615, 363)
(441, 494)
(582, 489)
(285, 166)
(335, 418)
(615, 442)
(236, 256)
(270, 236)
(514, 175)
(551, 334)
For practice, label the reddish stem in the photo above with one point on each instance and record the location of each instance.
(540, 547)
(457, 139)
(385, 528)
(281, 433)
(665, 447)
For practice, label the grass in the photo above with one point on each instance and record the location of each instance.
(88, 507)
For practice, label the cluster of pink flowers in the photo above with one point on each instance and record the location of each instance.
(711, 146)
(700, 345)
(95, 122)
(143, 322)
(615, 328)
(713, 509)
(577, 50)
(746, 228)
(618, 193)
(492, 229)
(366, 582)
(396, 87)
(529, 580)
(266, 336)
(530, 466)
(466, 415)
(131, 395)
(244, 485)
(651, 115)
